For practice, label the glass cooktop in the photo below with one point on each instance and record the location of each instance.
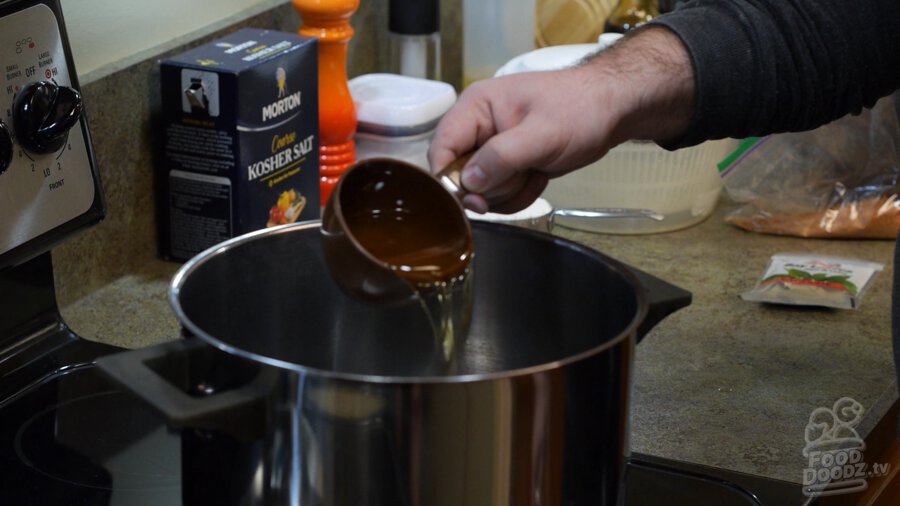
(73, 438)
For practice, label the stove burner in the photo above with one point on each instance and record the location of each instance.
(72, 438)
(101, 441)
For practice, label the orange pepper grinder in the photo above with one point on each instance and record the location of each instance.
(329, 21)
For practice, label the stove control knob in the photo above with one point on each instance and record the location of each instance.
(43, 113)
(6, 147)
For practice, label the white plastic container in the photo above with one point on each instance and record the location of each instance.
(682, 185)
(396, 115)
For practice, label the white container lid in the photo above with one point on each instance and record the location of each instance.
(555, 57)
(540, 208)
(393, 105)
(548, 58)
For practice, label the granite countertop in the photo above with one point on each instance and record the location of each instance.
(730, 383)
(723, 382)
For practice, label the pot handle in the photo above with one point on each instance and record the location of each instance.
(663, 299)
(149, 372)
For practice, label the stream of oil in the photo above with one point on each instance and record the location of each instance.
(448, 305)
(426, 246)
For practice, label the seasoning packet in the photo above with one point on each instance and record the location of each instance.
(812, 280)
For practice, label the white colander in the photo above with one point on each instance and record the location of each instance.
(683, 185)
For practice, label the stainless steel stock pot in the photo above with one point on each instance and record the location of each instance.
(342, 401)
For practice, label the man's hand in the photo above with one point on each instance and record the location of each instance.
(527, 128)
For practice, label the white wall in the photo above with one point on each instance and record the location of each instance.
(108, 35)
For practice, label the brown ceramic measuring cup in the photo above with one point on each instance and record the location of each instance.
(390, 227)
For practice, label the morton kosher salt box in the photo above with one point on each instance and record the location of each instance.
(240, 144)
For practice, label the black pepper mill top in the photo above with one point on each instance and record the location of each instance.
(415, 38)
(414, 17)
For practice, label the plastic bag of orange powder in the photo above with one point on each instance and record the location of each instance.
(841, 180)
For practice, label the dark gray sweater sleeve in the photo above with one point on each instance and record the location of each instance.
(768, 66)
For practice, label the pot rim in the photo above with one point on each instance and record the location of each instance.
(628, 332)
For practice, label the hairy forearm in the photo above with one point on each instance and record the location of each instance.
(649, 73)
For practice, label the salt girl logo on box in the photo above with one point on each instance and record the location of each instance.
(834, 451)
(285, 103)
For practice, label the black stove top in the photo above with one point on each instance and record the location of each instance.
(71, 437)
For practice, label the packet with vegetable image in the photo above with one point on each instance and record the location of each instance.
(811, 280)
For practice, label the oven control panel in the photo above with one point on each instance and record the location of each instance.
(47, 177)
